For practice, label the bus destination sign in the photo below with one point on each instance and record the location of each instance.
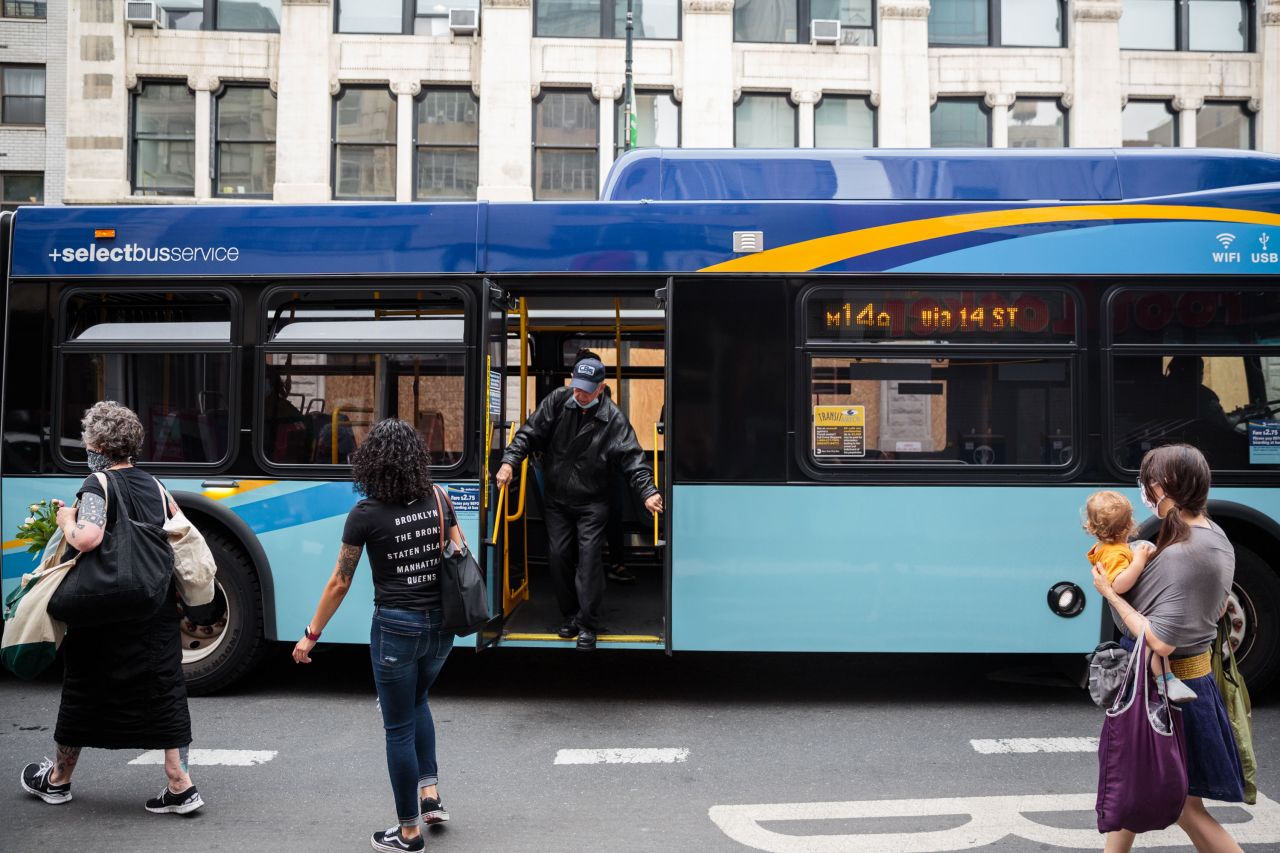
(956, 316)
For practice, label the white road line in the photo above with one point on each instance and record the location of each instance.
(208, 757)
(622, 756)
(989, 820)
(1009, 745)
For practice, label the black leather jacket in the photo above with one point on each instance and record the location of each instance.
(576, 463)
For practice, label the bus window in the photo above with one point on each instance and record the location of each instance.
(1184, 317)
(941, 411)
(318, 407)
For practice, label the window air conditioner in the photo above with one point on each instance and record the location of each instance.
(143, 14)
(824, 32)
(464, 22)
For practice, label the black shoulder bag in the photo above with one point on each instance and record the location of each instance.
(464, 601)
(124, 579)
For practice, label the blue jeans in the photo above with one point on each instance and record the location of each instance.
(408, 648)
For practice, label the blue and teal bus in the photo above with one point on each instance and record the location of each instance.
(876, 387)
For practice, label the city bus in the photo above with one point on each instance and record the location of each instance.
(875, 387)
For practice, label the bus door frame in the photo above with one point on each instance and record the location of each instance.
(492, 357)
(663, 295)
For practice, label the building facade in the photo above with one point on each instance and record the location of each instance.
(312, 100)
(33, 74)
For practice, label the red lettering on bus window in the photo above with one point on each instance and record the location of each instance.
(1152, 311)
(1066, 325)
(1197, 310)
(1233, 307)
(1033, 314)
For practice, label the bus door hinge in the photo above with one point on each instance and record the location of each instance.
(661, 295)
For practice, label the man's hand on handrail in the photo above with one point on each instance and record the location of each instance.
(504, 475)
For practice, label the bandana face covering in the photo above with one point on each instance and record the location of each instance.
(98, 463)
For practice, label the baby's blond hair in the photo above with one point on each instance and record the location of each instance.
(1108, 517)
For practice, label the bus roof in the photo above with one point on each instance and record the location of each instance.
(1009, 174)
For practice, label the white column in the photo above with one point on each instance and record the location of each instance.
(304, 102)
(608, 97)
(706, 93)
(506, 101)
(1187, 108)
(1097, 93)
(405, 91)
(204, 88)
(999, 102)
(1268, 116)
(904, 99)
(805, 102)
(97, 92)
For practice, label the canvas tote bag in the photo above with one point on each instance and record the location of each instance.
(1235, 695)
(193, 562)
(31, 636)
(464, 601)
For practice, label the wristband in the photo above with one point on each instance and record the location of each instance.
(306, 632)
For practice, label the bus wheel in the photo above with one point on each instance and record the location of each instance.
(214, 657)
(1253, 609)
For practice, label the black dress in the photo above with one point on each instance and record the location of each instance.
(123, 686)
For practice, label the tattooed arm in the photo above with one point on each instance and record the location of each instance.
(82, 526)
(334, 592)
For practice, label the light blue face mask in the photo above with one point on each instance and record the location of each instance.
(590, 405)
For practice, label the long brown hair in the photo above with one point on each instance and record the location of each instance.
(1183, 473)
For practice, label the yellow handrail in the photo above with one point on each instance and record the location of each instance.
(333, 429)
(617, 347)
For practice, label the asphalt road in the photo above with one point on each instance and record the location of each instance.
(883, 738)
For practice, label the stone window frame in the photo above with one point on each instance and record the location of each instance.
(133, 136)
(209, 21)
(4, 97)
(1182, 30)
(804, 14)
(409, 16)
(1167, 103)
(420, 145)
(1243, 106)
(540, 147)
(1054, 99)
(993, 29)
(218, 141)
(12, 9)
(795, 112)
(618, 147)
(980, 101)
(11, 205)
(334, 142)
(608, 14)
(843, 96)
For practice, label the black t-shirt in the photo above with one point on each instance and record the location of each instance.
(403, 541)
(146, 504)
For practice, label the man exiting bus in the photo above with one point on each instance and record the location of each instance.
(582, 435)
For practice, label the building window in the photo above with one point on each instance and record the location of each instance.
(364, 143)
(164, 132)
(447, 144)
(1037, 123)
(787, 21)
(1210, 25)
(566, 140)
(996, 23)
(397, 17)
(960, 123)
(240, 15)
(22, 94)
(246, 151)
(1224, 124)
(765, 121)
(1149, 124)
(19, 188)
(657, 122)
(23, 9)
(651, 19)
(841, 121)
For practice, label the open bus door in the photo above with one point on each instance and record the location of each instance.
(494, 438)
(662, 472)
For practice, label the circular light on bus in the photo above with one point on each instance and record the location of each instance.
(1066, 599)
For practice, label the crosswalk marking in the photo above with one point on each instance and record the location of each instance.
(670, 755)
(210, 757)
(1020, 745)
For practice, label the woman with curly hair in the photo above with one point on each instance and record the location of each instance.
(122, 686)
(399, 521)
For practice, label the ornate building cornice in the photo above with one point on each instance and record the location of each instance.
(1097, 10)
(904, 11)
(708, 7)
(507, 4)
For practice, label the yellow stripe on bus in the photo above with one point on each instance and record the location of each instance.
(603, 638)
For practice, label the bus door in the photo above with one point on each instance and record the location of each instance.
(494, 437)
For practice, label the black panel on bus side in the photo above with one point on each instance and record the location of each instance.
(729, 380)
(29, 380)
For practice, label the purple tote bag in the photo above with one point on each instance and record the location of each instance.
(1142, 755)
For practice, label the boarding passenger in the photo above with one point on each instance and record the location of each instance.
(122, 687)
(399, 522)
(1180, 596)
(582, 436)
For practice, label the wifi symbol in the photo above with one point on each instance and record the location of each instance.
(1226, 239)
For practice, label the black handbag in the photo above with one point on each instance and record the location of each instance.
(124, 579)
(464, 601)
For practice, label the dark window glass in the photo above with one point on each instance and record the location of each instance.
(370, 16)
(1037, 123)
(249, 15)
(18, 188)
(1149, 25)
(856, 17)
(184, 14)
(21, 94)
(1222, 404)
(1215, 316)
(844, 122)
(431, 17)
(959, 22)
(1221, 25)
(364, 147)
(566, 162)
(765, 20)
(427, 318)
(657, 122)
(1031, 23)
(23, 9)
(651, 19)
(960, 123)
(765, 121)
(246, 163)
(941, 411)
(164, 129)
(1149, 124)
(125, 318)
(448, 140)
(568, 18)
(1224, 125)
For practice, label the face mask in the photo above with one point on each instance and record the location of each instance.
(1154, 506)
(592, 404)
(98, 462)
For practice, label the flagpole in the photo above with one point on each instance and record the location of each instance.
(629, 95)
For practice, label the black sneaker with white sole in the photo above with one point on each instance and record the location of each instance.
(390, 840)
(433, 811)
(170, 803)
(35, 781)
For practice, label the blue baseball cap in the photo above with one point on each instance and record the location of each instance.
(587, 375)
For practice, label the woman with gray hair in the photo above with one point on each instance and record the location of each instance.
(122, 687)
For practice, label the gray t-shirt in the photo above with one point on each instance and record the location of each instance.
(1182, 590)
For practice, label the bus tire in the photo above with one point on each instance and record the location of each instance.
(1256, 594)
(216, 657)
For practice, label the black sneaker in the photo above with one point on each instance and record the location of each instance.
(390, 840)
(170, 803)
(433, 811)
(621, 574)
(568, 630)
(35, 781)
(587, 639)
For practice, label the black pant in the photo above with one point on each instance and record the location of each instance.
(575, 538)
